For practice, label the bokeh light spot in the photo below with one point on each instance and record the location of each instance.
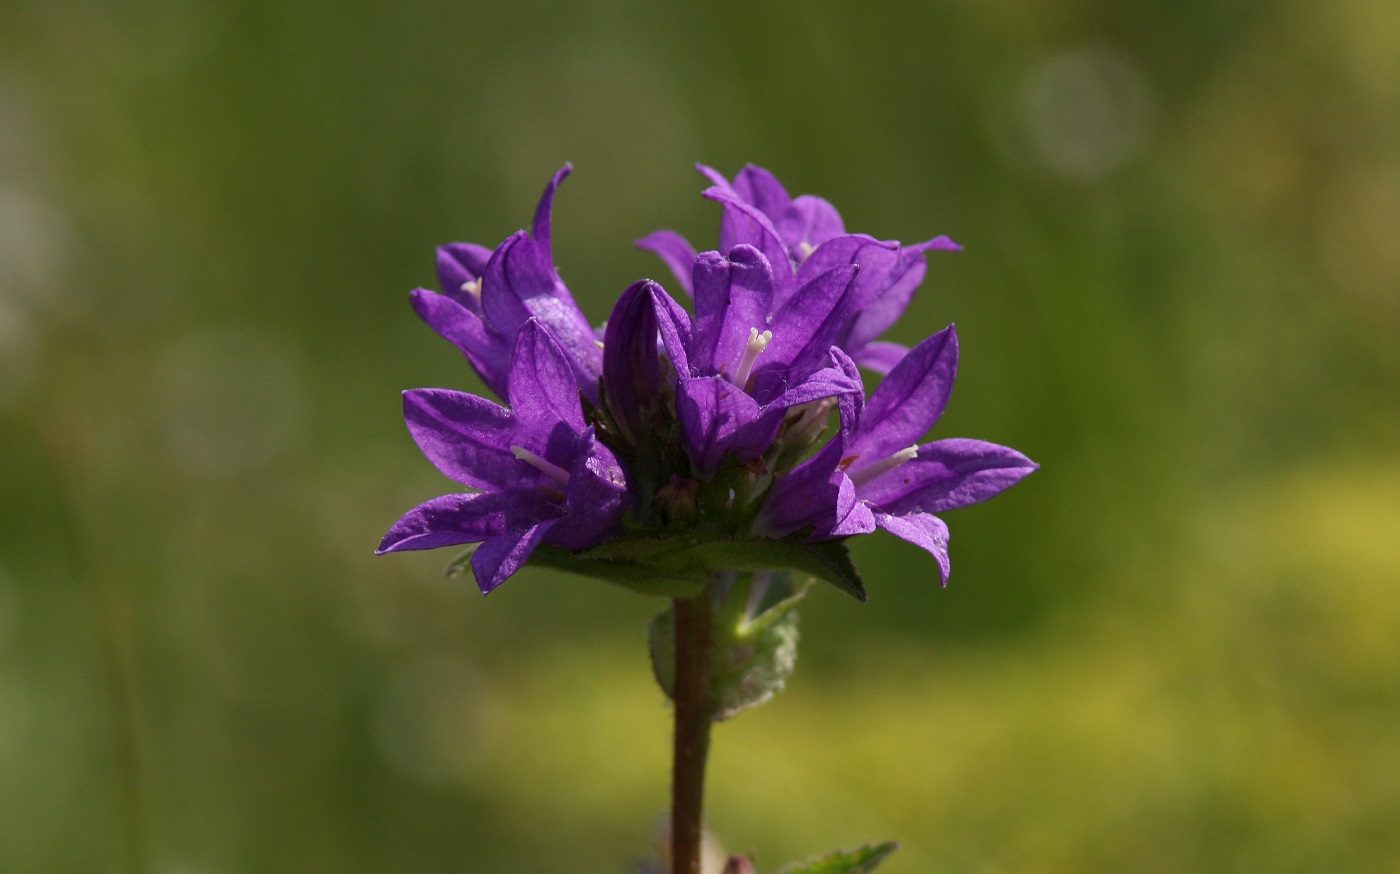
(1085, 113)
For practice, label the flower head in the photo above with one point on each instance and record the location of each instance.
(672, 444)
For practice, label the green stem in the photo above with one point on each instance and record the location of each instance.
(695, 632)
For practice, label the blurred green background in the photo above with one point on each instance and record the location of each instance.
(1176, 647)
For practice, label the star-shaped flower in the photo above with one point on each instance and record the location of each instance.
(543, 476)
(875, 473)
(488, 295)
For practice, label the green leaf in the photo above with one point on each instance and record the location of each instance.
(754, 654)
(858, 861)
(648, 579)
(661, 644)
(829, 560)
(751, 656)
(679, 565)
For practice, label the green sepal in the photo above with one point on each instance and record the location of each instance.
(858, 861)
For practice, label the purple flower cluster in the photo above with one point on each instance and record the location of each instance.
(668, 433)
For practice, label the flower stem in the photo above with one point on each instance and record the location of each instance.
(695, 632)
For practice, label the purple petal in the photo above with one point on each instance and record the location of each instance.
(808, 220)
(921, 530)
(509, 280)
(762, 189)
(631, 372)
(466, 437)
(880, 356)
(715, 177)
(732, 295)
(810, 323)
(852, 514)
(676, 252)
(543, 212)
(903, 279)
(712, 410)
(520, 282)
(872, 259)
(458, 264)
(500, 557)
(825, 383)
(803, 496)
(673, 324)
(449, 520)
(464, 329)
(808, 492)
(905, 406)
(597, 497)
(948, 474)
(542, 390)
(889, 304)
(744, 223)
(851, 405)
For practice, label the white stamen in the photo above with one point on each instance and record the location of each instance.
(549, 469)
(866, 474)
(473, 288)
(804, 249)
(757, 343)
(812, 418)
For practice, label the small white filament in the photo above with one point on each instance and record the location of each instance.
(757, 343)
(866, 474)
(549, 469)
(473, 288)
(804, 249)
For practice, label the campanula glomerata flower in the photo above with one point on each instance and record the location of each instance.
(543, 474)
(671, 445)
(875, 473)
(488, 295)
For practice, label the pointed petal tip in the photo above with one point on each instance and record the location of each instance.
(712, 174)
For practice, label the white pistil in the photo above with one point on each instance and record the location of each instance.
(804, 249)
(473, 288)
(866, 474)
(549, 469)
(757, 343)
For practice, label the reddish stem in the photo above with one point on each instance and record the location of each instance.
(695, 627)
